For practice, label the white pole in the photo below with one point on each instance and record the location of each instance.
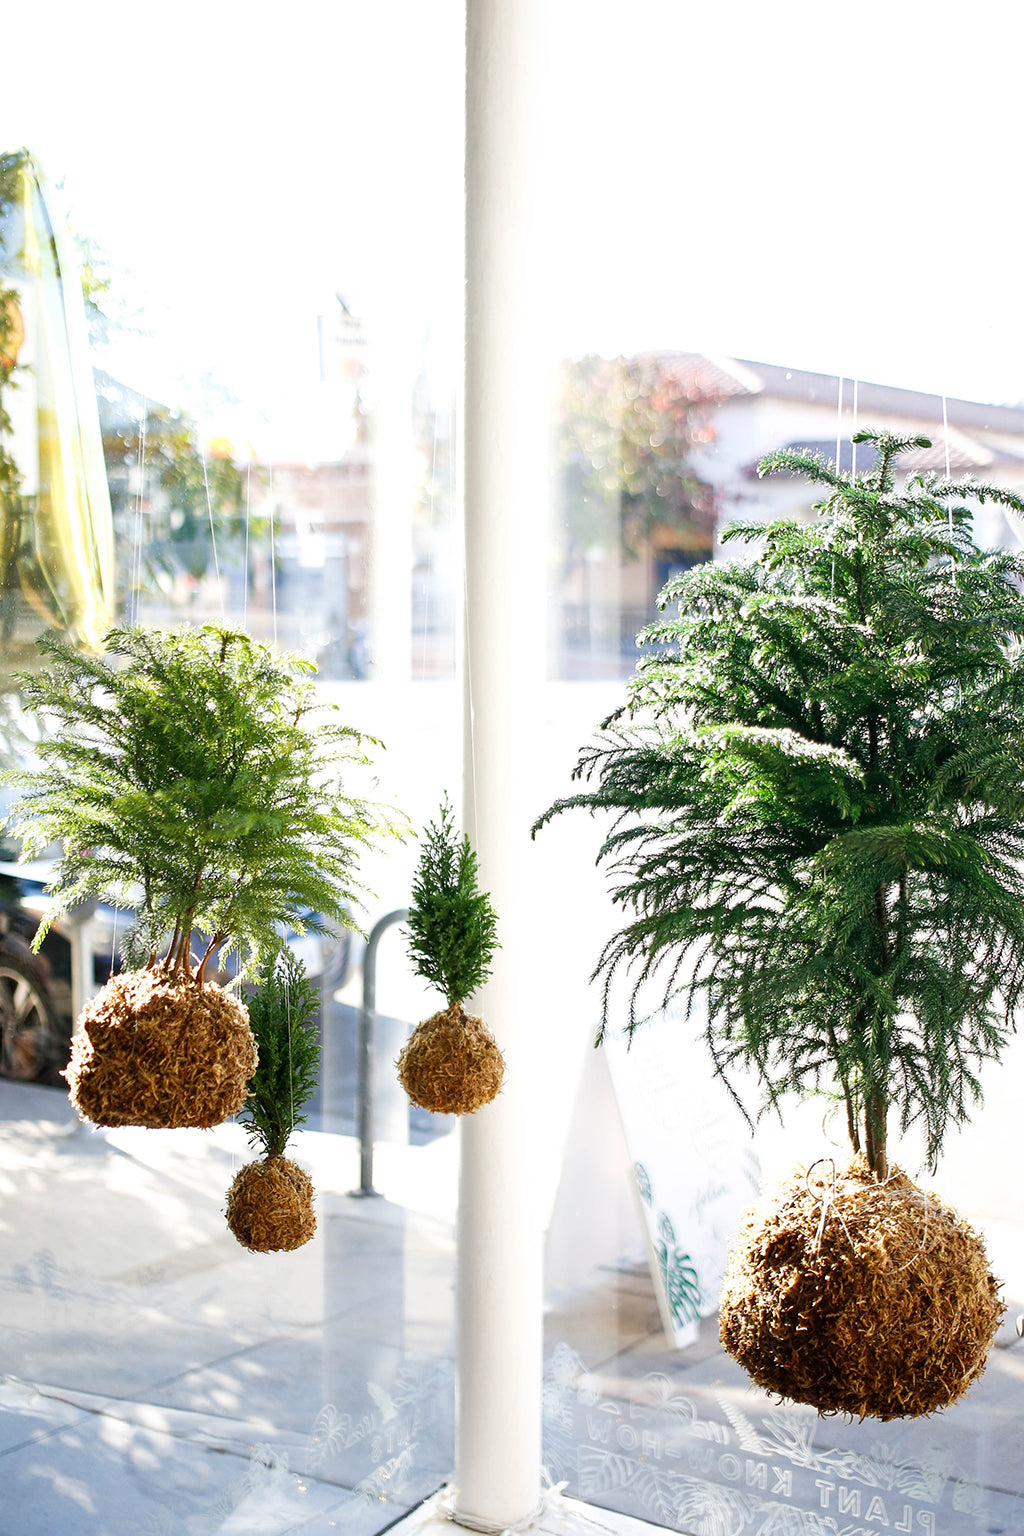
(83, 981)
(505, 427)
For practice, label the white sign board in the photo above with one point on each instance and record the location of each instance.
(693, 1160)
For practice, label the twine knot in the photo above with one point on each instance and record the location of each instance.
(827, 1198)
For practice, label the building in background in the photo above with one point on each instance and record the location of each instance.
(655, 455)
(764, 406)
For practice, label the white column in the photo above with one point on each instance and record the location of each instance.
(505, 426)
(83, 981)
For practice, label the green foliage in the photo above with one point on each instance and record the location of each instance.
(10, 340)
(15, 506)
(818, 799)
(195, 781)
(204, 490)
(628, 429)
(452, 925)
(97, 276)
(283, 1014)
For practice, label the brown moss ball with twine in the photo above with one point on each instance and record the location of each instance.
(451, 1063)
(155, 1049)
(859, 1297)
(270, 1206)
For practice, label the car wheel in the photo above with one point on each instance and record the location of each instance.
(32, 1043)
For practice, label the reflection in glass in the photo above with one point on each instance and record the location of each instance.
(56, 553)
(655, 454)
(634, 509)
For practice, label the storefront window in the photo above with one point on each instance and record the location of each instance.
(745, 252)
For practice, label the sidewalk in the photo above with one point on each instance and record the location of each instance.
(158, 1380)
(156, 1377)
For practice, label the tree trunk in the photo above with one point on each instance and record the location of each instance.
(874, 1133)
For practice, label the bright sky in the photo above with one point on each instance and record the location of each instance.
(817, 185)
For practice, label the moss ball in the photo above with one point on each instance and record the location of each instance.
(859, 1297)
(451, 1064)
(155, 1049)
(270, 1206)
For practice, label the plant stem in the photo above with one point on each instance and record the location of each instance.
(214, 944)
(874, 1133)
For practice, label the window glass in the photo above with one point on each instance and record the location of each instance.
(761, 228)
(268, 219)
(746, 252)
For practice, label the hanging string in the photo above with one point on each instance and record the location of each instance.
(291, 1080)
(245, 561)
(839, 422)
(213, 533)
(949, 505)
(449, 530)
(136, 577)
(425, 627)
(470, 810)
(853, 434)
(273, 550)
(236, 981)
(839, 443)
(827, 1198)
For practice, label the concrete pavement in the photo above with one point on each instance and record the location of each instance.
(158, 1380)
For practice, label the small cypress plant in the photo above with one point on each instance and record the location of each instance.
(817, 791)
(451, 1063)
(192, 779)
(270, 1202)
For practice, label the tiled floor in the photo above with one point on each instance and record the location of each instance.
(158, 1380)
(156, 1377)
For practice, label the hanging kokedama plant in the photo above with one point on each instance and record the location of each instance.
(819, 801)
(270, 1203)
(451, 1063)
(859, 1296)
(192, 781)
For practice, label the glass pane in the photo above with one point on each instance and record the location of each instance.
(273, 271)
(734, 272)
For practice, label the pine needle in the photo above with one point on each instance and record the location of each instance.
(817, 795)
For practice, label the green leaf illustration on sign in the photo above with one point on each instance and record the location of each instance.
(678, 1274)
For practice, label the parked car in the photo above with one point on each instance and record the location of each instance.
(35, 990)
(36, 1017)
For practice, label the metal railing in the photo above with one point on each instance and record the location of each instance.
(366, 1084)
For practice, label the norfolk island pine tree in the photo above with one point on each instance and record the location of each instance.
(817, 792)
(193, 778)
(193, 781)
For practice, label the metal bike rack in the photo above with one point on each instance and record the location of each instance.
(366, 1073)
